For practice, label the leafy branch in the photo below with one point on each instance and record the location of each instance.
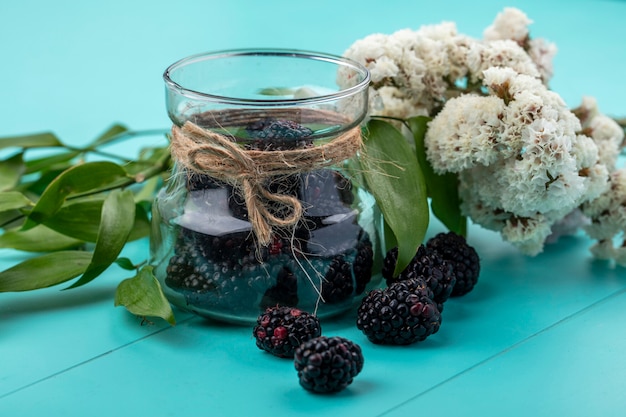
(78, 214)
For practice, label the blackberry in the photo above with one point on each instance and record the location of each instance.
(363, 263)
(464, 260)
(284, 292)
(233, 292)
(229, 248)
(328, 364)
(401, 314)
(237, 204)
(323, 193)
(283, 185)
(280, 330)
(277, 135)
(427, 265)
(326, 192)
(185, 268)
(337, 285)
(203, 270)
(196, 181)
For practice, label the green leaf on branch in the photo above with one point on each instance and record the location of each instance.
(11, 169)
(110, 134)
(59, 161)
(37, 239)
(442, 189)
(38, 184)
(125, 263)
(81, 219)
(395, 180)
(78, 219)
(12, 200)
(37, 140)
(44, 271)
(142, 295)
(78, 179)
(116, 222)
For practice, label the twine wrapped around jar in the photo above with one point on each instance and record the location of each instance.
(201, 150)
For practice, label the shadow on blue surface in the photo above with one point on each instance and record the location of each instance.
(55, 300)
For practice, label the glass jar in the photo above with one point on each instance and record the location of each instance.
(265, 205)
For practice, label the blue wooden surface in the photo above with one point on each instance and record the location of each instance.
(542, 335)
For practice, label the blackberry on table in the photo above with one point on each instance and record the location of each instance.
(427, 265)
(328, 364)
(280, 330)
(389, 264)
(401, 314)
(464, 260)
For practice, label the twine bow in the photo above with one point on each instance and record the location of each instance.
(210, 153)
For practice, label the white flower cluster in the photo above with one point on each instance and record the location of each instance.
(414, 72)
(608, 220)
(607, 134)
(528, 166)
(513, 24)
(607, 213)
(521, 162)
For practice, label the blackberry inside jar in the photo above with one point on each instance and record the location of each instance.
(215, 266)
(264, 206)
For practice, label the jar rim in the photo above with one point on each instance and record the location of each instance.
(294, 53)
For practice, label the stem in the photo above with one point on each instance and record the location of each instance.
(132, 133)
(98, 152)
(161, 165)
(8, 222)
(117, 138)
(396, 119)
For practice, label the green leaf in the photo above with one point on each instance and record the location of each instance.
(81, 219)
(37, 140)
(78, 219)
(116, 222)
(395, 180)
(37, 239)
(58, 161)
(442, 189)
(11, 170)
(12, 200)
(148, 160)
(125, 263)
(148, 190)
(142, 226)
(10, 219)
(44, 271)
(110, 134)
(142, 295)
(156, 234)
(78, 179)
(38, 185)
